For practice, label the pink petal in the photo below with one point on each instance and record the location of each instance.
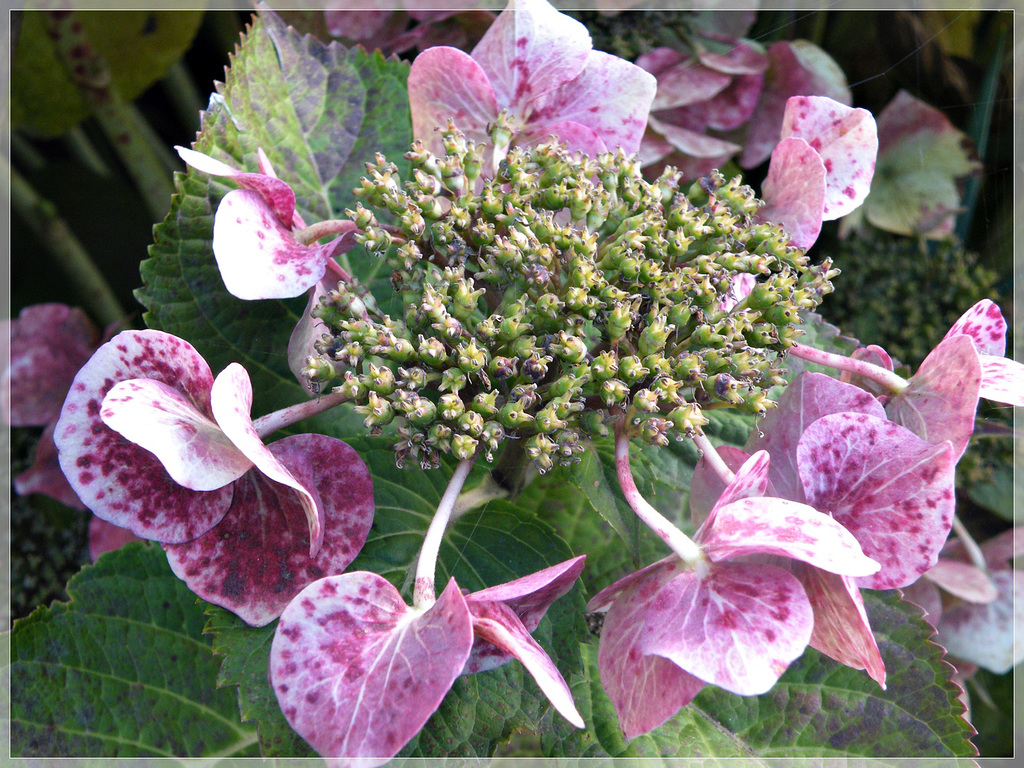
(963, 580)
(1002, 380)
(847, 141)
(685, 82)
(942, 398)
(104, 537)
(446, 83)
(258, 557)
(357, 672)
(926, 596)
(498, 625)
(45, 475)
(984, 322)
(795, 190)
(278, 196)
(707, 487)
(258, 257)
(576, 137)
(1002, 548)
(190, 445)
(231, 398)
(603, 599)
(119, 481)
(645, 690)
(875, 355)
(739, 626)
(306, 333)
(530, 50)
(611, 96)
(796, 68)
(771, 526)
(841, 628)
(990, 635)
(48, 344)
(661, 59)
(693, 143)
(809, 397)
(890, 489)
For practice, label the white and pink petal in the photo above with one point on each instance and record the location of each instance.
(795, 191)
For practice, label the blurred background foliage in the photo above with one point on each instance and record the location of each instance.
(98, 99)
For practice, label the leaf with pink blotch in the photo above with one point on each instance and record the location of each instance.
(259, 257)
(737, 625)
(794, 191)
(118, 480)
(231, 401)
(258, 557)
(942, 398)
(893, 491)
(809, 397)
(644, 690)
(841, 628)
(357, 672)
(48, 344)
(847, 141)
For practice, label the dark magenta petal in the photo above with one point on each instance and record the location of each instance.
(49, 343)
(257, 558)
(645, 690)
(808, 398)
(942, 398)
(120, 482)
(45, 475)
(737, 625)
(889, 488)
(357, 672)
(499, 627)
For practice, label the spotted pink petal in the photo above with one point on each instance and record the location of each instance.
(193, 449)
(846, 139)
(118, 480)
(681, 80)
(279, 197)
(575, 136)
(707, 487)
(45, 475)
(259, 257)
(530, 50)
(357, 672)
(48, 344)
(693, 143)
(809, 397)
(963, 580)
(989, 635)
(893, 491)
(610, 96)
(607, 596)
(942, 398)
(772, 526)
(1002, 380)
(645, 690)
(795, 191)
(984, 322)
(104, 537)
(498, 625)
(447, 83)
(738, 626)
(231, 399)
(258, 557)
(841, 628)
(529, 599)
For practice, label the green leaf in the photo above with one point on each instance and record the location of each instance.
(493, 544)
(319, 112)
(137, 47)
(819, 708)
(121, 670)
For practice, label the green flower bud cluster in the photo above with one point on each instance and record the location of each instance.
(563, 288)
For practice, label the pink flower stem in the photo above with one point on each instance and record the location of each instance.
(423, 592)
(678, 541)
(891, 381)
(973, 550)
(713, 458)
(329, 228)
(272, 422)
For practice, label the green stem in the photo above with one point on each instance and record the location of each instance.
(97, 298)
(120, 124)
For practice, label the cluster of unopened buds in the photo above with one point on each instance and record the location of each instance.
(562, 288)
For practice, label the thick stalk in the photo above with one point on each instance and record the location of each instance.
(678, 541)
(891, 381)
(423, 592)
(285, 417)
